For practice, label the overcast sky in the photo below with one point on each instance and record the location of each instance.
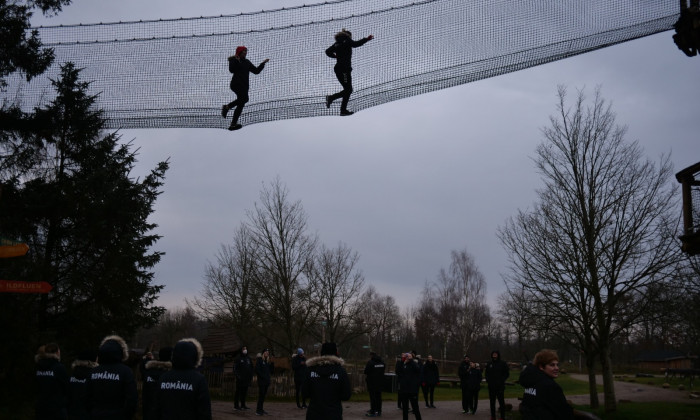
(405, 183)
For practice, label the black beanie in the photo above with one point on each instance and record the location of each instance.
(329, 348)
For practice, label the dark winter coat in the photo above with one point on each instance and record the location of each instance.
(52, 387)
(374, 370)
(299, 367)
(473, 379)
(243, 370)
(543, 398)
(326, 385)
(409, 376)
(183, 393)
(497, 372)
(463, 372)
(263, 370)
(152, 371)
(241, 69)
(431, 373)
(111, 391)
(77, 389)
(342, 51)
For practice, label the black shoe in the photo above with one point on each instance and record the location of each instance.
(329, 101)
(304, 406)
(237, 408)
(224, 111)
(371, 415)
(259, 413)
(432, 406)
(344, 112)
(245, 408)
(235, 127)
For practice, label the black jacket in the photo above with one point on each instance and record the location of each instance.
(241, 70)
(77, 389)
(243, 369)
(374, 370)
(342, 51)
(497, 372)
(299, 367)
(473, 379)
(326, 385)
(111, 391)
(543, 398)
(431, 373)
(263, 370)
(409, 374)
(183, 393)
(152, 371)
(462, 372)
(52, 387)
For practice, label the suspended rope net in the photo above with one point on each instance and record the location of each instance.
(174, 73)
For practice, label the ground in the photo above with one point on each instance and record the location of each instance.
(450, 410)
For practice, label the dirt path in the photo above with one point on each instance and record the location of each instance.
(450, 410)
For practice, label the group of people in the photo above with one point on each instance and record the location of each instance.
(102, 386)
(241, 67)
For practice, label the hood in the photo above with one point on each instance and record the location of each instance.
(157, 364)
(498, 354)
(44, 357)
(187, 354)
(113, 349)
(326, 360)
(84, 363)
(530, 376)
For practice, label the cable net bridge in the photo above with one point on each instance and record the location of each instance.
(174, 73)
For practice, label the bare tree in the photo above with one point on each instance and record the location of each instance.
(227, 291)
(284, 252)
(602, 230)
(382, 317)
(338, 286)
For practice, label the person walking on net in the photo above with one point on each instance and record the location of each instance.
(241, 68)
(341, 50)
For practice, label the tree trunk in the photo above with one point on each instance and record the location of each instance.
(592, 385)
(608, 382)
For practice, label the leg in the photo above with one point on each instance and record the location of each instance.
(431, 389)
(502, 403)
(379, 402)
(424, 388)
(262, 390)
(475, 400)
(403, 400)
(465, 398)
(297, 389)
(241, 100)
(414, 404)
(492, 402)
(243, 395)
(345, 80)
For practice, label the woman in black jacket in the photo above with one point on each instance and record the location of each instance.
(183, 393)
(326, 385)
(111, 389)
(543, 399)
(263, 369)
(431, 377)
(341, 50)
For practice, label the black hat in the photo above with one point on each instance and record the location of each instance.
(165, 354)
(329, 348)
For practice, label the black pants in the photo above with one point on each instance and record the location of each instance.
(428, 394)
(262, 391)
(472, 399)
(375, 401)
(240, 394)
(405, 399)
(297, 392)
(239, 103)
(345, 79)
(497, 393)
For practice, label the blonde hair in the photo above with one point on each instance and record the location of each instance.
(545, 357)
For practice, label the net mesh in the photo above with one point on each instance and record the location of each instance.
(174, 73)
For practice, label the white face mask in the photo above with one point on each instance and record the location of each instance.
(245, 351)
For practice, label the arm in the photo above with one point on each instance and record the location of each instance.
(361, 42)
(330, 51)
(345, 390)
(257, 70)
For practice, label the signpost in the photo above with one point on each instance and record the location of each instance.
(14, 250)
(13, 286)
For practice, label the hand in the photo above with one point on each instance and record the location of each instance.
(266, 60)
(371, 37)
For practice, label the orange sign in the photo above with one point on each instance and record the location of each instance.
(16, 250)
(11, 286)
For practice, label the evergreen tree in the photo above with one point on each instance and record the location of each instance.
(68, 194)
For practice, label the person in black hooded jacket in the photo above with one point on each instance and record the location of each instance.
(326, 385)
(152, 371)
(409, 374)
(111, 390)
(241, 68)
(183, 393)
(497, 372)
(341, 50)
(77, 387)
(374, 369)
(263, 370)
(243, 371)
(543, 399)
(51, 383)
